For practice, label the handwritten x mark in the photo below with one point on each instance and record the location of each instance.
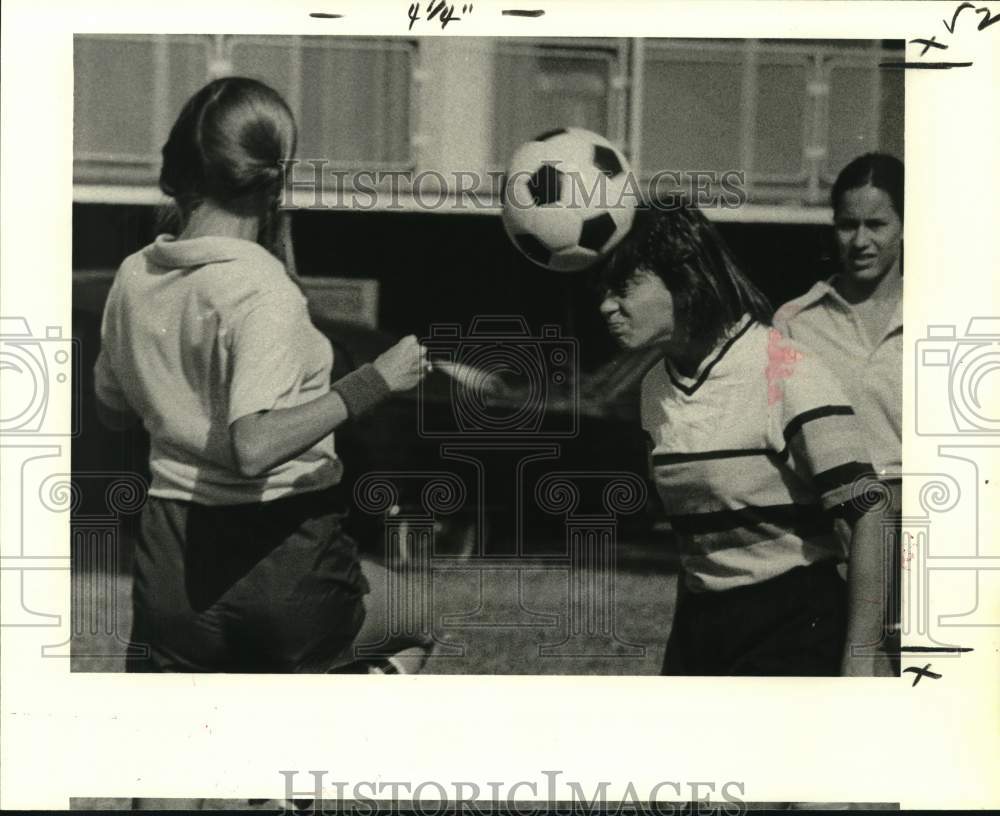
(924, 672)
(928, 44)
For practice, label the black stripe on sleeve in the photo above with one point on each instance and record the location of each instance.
(842, 475)
(703, 456)
(787, 516)
(793, 427)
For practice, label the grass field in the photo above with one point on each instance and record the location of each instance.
(513, 620)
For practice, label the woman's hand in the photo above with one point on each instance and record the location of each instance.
(404, 365)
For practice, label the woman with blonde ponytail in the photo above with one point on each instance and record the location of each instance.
(242, 565)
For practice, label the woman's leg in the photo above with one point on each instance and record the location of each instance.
(681, 655)
(170, 634)
(792, 625)
(301, 606)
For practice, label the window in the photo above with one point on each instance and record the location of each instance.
(787, 113)
(128, 91)
(351, 96)
(544, 85)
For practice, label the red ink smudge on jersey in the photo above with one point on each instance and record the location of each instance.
(781, 360)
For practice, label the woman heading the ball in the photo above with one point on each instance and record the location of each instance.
(241, 565)
(755, 452)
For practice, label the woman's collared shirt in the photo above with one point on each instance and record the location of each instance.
(871, 371)
(196, 334)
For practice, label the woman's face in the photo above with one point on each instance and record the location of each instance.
(642, 314)
(869, 234)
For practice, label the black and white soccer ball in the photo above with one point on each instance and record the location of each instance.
(568, 199)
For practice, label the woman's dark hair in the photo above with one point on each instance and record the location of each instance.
(876, 169)
(681, 247)
(228, 144)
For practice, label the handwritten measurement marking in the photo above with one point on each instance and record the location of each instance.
(439, 9)
(954, 17)
(924, 672)
(984, 23)
(987, 20)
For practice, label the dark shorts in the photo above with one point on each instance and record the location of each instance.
(792, 625)
(268, 587)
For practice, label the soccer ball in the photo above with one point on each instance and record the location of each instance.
(567, 199)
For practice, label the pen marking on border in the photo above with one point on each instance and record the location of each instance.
(922, 65)
(988, 19)
(924, 672)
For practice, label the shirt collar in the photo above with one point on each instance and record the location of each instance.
(827, 289)
(822, 290)
(691, 384)
(173, 253)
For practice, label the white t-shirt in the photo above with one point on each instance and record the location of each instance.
(750, 455)
(196, 334)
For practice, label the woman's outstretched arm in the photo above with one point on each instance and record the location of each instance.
(265, 439)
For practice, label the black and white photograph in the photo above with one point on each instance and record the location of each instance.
(553, 357)
(514, 356)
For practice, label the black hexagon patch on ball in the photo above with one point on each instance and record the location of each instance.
(545, 185)
(533, 248)
(606, 160)
(596, 231)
